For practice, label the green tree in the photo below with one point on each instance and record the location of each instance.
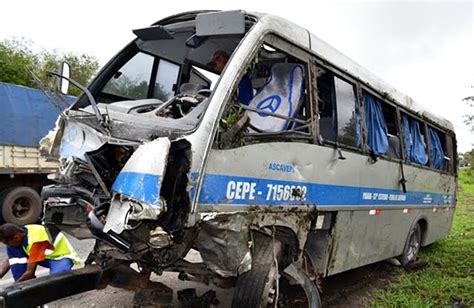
(469, 118)
(18, 62)
(134, 89)
(16, 58)
(469, 157)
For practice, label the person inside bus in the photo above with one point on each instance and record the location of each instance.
(245, 90)
(32, 245)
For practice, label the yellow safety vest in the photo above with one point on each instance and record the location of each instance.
(62, 247)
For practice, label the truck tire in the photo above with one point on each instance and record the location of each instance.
(255, 287)
(412, 246)
(21, 205)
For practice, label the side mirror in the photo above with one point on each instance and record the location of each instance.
(63, 85)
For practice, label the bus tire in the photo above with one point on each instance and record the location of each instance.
(21, 205)
(255, 287)
(412, 246)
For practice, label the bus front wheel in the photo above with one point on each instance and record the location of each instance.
(264, 286)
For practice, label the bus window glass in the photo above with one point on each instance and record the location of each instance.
(166, 79)
(347, 116)
(133, 79)
(415, 146)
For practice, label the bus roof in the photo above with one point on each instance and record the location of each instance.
(352, 68)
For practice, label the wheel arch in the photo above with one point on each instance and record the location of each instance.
(289, 240)
(423, 222)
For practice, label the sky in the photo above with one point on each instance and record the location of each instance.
(424, 49)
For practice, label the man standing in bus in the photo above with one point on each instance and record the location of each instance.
(33, 245)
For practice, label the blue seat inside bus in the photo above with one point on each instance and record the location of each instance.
(281, 94)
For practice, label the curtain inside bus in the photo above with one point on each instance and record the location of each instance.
(436, 149)
(377, 139)
(415, 148)
(407, 139)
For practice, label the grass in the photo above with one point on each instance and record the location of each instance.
(448, 278)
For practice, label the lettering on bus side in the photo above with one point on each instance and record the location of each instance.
(243, 190)
(277, 167)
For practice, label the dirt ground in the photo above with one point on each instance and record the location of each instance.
(349, 289)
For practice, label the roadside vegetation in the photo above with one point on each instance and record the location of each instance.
(446, 275)
(20, 61)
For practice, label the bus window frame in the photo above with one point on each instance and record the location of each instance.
(425, 122)
(152, 78)
(318, 62)
(449, 166)
(383, 100)
(274, 40)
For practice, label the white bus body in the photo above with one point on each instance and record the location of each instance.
(316, 160)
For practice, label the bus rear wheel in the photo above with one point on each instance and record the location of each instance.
(412, 246)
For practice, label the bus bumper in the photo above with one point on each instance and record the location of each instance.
(46, 289)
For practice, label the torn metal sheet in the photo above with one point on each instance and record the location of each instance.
(223, 243)
(140, 178)
(117, 217)
(78, 139)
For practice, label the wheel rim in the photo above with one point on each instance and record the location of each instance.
(21, 207)
(283, 294)
(270, 290)
(413, 247)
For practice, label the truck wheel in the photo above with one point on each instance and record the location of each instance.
(256, 287)
(412, 246)
(21, 205)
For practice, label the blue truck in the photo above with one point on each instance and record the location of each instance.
(26, 115)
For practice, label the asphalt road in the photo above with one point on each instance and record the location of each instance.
(113, 297)
(351, 288)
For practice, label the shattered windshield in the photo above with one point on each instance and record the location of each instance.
(166, 77)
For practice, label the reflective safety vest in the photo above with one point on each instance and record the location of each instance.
(62, 247)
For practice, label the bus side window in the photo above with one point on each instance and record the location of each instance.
(339, 118)
(438, 151)
(382, 134)
(326, 105)
(450, 150)
(277, 104)
(413, 139)
(348, 119)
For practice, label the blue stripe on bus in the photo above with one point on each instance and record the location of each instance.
(140, 186)
(237, 190)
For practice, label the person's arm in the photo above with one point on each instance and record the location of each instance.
(5, 268)
(37, 254)
(29, 273)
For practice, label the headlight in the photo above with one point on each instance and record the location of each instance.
(78, 139)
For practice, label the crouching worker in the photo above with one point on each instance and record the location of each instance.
(33, 245)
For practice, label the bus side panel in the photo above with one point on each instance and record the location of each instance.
(439, 221)
(361, 238)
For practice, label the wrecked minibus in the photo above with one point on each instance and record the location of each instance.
(325, 169)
